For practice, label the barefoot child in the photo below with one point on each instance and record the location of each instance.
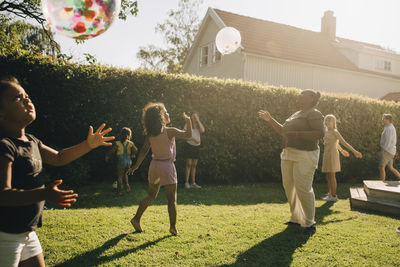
(22, 196)
(125, 151)
(162, 172)
(331, 160)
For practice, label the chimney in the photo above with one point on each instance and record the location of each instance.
(328, 25)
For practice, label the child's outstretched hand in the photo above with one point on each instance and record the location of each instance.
(60, 197)
(132, 170)
(185, 117)
(98, 138)
(263, 114)
(357, 154)
(345, 153)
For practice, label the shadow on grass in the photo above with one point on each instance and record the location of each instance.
(101, 195)
(278, 249)
(93, 258)
(375, 212)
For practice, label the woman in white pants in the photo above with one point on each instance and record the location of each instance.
(299, 157)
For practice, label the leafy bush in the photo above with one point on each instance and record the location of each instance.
(237, 146)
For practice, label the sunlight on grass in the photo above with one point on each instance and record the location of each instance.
(219, 225)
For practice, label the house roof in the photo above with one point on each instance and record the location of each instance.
(348, 41)
(282, 41)
(394, 96)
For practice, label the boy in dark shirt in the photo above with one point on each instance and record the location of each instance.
(22, 195)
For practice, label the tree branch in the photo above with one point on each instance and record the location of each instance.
(25, 10)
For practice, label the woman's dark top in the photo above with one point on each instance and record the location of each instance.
(26, 166)
(309, 120)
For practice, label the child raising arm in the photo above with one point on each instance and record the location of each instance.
(22, 195)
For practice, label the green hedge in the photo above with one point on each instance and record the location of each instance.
(237, 146)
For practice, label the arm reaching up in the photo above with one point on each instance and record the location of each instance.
(65, 156)
(263, 114)
(179, 134)
(201, 126)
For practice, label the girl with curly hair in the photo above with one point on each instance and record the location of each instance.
(162, 172)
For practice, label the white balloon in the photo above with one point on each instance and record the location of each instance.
(228, 40)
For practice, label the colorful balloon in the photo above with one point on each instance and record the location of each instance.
(80, 19)
(228, 40)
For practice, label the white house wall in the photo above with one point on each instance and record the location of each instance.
(291, 74)
(351, 54)
(368, 61)
(230, 66)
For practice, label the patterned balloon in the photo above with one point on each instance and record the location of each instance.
(80, 19)
(228, 40)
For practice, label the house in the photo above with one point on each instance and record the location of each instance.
(395, 96)
(283, 55)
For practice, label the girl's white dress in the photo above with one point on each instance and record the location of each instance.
(330, 160)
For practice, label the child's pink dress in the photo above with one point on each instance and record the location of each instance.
(162, 168)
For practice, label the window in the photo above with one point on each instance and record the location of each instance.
(216, 54)
(383, 65)
(204, 56)
(388, 66)
(209, 54)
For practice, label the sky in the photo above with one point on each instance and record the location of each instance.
(372, 21)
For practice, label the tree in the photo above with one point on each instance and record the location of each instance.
(179, 31)
(23, 9)
(30, 9)
(19, 36)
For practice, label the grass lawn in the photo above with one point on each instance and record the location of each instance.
(219, 226)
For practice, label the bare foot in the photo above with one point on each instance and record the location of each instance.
(173, 231)
(136, 225)
(127, 188)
